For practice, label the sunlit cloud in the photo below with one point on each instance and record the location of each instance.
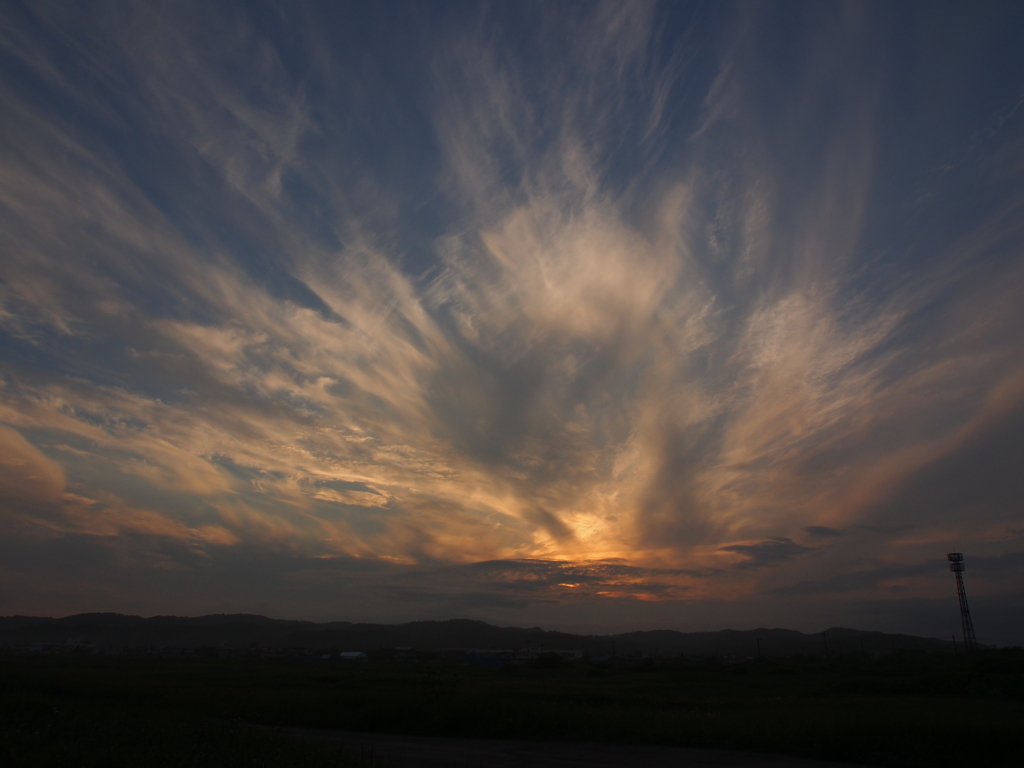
(590, 303)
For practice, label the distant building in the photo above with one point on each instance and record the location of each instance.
(353, 656)
(572, 655)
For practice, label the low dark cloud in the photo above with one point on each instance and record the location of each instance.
(769, 552)
(868, 580)
(561, 580)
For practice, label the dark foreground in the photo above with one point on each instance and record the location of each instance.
(440, 752)
(902, 710)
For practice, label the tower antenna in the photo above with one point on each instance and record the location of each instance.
(956, 565)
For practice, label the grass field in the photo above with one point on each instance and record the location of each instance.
(903, 710)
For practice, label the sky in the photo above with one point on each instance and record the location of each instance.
(594, 316)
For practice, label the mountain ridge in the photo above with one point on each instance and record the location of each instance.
(249, 630)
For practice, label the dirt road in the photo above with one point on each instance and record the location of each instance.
(430, 752)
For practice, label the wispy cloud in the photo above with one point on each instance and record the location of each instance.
(637, 318)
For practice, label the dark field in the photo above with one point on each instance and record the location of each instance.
(908, 709)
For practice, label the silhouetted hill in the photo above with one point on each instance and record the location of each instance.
(243, 630)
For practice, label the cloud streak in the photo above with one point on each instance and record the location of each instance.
(638, 316)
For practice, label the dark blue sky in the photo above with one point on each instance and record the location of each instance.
(588, 315)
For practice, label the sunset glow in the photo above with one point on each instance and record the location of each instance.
(586, 315)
